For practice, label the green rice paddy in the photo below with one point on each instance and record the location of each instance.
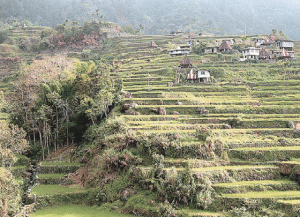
(265, 194)
(43, 190)
(75, 211)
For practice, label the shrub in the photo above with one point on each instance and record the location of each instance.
(3, 36)
(202, 132)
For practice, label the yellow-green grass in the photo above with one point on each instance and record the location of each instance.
(19, 168)
(220, 132)
(256, 182)
(171, 126)
(265, 194)
(3, 116)
(230, 168)
(193, 100)
(76, 211)
(277, 148)
(43, 190)
(51, 175)
(133, 118)
(290, 202)
(49, 163)
(197, 212)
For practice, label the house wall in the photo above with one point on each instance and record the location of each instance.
(285, 44)
(205, 75)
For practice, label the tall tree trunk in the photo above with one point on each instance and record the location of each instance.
(41, 141)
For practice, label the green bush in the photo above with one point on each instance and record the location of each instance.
(3, 36)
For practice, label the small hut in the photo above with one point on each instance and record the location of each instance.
(191, 35)
(153, 45)
(185, 63)
(225, 47)
(264, 54)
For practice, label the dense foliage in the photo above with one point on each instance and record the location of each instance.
(55, 100)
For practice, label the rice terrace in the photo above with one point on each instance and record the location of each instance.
(99, 118)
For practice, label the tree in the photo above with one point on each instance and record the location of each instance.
(10, 198)
(12, 142)
(198, 48)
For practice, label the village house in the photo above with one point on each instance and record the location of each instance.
(230, 41)
(251, 53)
(269, 40)
(191, 35)
(264, 54)
(211, 49)
(202, 76)
(225, 47)
(185, 63)
(191, 76)
(176, 33)
(282, 54)
(258, 42)
(186, 46)
(179, 52)
(286, 45)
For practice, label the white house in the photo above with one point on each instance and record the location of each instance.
(182, 50)
(203, 75)
(251, 53)
(286, 45)
(211, 49)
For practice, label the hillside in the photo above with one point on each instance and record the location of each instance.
(160, 17)
(229, 147)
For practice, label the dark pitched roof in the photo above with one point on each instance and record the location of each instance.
(186, 61)
(225, 46)
(264, 53)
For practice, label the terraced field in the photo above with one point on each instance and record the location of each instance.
(255, 119)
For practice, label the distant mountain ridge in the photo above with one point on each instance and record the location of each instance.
(222, 17)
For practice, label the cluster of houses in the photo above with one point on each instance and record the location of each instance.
(267, 48)
(193, 75)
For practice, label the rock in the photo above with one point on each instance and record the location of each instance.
(227, 126)
(161, 111)
(170, 84)
(130, 112)
(128, 106)
(286, 169)
(128, 95)
(203, 111)
(179, 103)
(297, 126)
(160, 102)
(114, 208)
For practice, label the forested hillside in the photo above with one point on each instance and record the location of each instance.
(161, 17)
